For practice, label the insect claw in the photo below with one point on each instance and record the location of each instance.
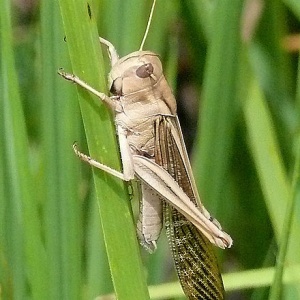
(77, 152)
(66, 75)
(60, 71)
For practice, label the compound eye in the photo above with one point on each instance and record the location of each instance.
(145, 70)
(116, 86)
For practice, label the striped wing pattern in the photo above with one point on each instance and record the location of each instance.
(192, 252)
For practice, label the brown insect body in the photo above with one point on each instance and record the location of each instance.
(152, 149)
(138, 87)
(147, 113)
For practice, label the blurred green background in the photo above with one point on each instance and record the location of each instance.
(233, 66)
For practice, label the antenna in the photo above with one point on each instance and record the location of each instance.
(148, 25)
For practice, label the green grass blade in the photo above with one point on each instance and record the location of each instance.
(262, 277)
(234, 281)
(60, 120)
(14, 256)
(264, 147)
(200, 15)
(294, 6)
(97, 264)
(276, 289)
(115, 211)
(218, 108)
(161, 32)
(267, 157)
(129, 17)
(25, 252)
(273, 69)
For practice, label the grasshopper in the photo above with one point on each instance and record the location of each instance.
(153, 151)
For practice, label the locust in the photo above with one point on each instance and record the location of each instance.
(153, 151)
